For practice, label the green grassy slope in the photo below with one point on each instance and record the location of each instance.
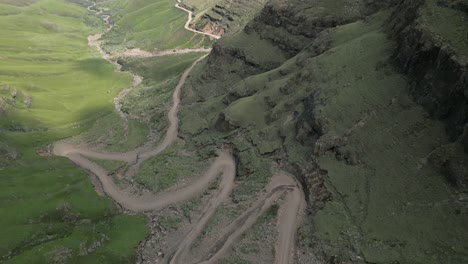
(200, 6)
(161, 75)
(150, 102)
(146, 105)
(388, 199)
(151, 25)
(53, 85)
(45, 58)
(340, 105)
(447, 23)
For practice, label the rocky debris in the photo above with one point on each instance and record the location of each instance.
(212, 28)
(312, 180)
(47, 151)
(16, 128)
(14, 94)
(27, 101)
(87, 248)
(327, 142)
(59, 255)
(7, 154)
(227, 16)
(351, 158)
(235, 57)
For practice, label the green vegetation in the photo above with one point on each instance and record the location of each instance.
(58, 67)
(53, 86)
(112, 134)
(169, 222)
(448, 24)
(152, 99)
(278, 93)
(169, 168)
(258, 243)
(200, 6)
(150, 102)
(234, 260)
(110, 165)
(146, 105)
(391, 208)
(341, 103)
(150, 25)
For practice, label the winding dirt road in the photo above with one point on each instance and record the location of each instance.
(294, 205)
(138, 53)
(189, 21)
(223, 167)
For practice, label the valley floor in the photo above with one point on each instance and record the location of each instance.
(270, 147)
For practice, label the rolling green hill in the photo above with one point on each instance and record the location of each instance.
(150, 25)
(52, 85)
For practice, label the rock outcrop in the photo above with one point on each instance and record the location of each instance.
(224, 16)
(438, 72)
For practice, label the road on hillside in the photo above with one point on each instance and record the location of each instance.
(223, 166)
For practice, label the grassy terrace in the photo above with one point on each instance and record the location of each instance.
(54, 86)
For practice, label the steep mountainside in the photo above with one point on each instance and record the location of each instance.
(223, 16)
(358, 108)
(365, 102)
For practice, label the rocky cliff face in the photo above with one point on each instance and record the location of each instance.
(347, 96)
(437, 66)
(279, 32)
(222, 17)
(291, 25)
(438, 71)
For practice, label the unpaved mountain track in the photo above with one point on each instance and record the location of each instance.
(189, 21)
(138, 53)
(96, 42)
(222, 167)
(280, 184)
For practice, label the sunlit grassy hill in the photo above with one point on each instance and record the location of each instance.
(52, 85)
(49, 76)
(151, 24)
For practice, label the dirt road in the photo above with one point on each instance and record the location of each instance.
(223, 167)
(138, 53)
(280, 184)
(189, 21)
